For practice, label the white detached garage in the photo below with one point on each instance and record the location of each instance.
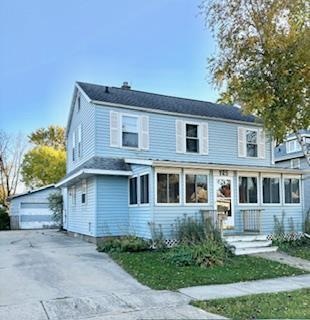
(30, 210)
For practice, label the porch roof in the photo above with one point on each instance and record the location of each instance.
(232, 167)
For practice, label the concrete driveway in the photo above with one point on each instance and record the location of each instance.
(47, 275)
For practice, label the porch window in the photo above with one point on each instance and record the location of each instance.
(133, 194)
(130, 136)
(192, 138)
(251, 143)
(144, 189)
(196, 188)
(271, 190)
(291, 188)
(168, 188)
(247, 190)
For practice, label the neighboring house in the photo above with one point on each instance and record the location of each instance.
(136, 158)
(30, 210)
(290, 155)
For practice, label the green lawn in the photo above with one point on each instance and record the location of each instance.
(282, 305)
(301, 251)
(151, 269)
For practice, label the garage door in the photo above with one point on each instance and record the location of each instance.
(35, 215)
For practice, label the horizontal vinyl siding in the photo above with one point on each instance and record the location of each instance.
(86, 117)
(140, 216)
(36, 197)
(112, 205)
(81, 217)
(223, 140)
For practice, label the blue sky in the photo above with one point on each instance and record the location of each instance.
(45, 46)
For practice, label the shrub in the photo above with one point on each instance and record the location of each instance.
(205, 254)
(198, 229)
(123, 244)
(4, 219)
(55, 203)
(158, 239)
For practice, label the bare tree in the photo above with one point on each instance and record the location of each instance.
(12, 148)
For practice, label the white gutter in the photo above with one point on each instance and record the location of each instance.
(172, 164)
(94, 172)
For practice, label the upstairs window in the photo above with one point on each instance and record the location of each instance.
(168, 188)
(133, 191)
(144, 189)
(248, 190)
(293, 146)
(196, 188)
(130, 132)
(251, 143)
(192, 138)
(271, 190)
(291, 190)
(295, 163)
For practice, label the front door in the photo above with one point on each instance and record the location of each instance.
(223, 199)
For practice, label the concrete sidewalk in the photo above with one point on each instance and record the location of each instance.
(245, 288)
(284, 258)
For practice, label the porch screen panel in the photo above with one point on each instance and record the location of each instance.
(247, 189)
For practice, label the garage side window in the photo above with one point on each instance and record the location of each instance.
(84, 192)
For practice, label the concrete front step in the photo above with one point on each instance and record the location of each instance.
(246, 238)
(251, 244)
(243, 251)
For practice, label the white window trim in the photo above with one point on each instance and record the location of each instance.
(121, 131)
(300, 190)
(257, 142)
(73, 196)
(144, 204)
(168, 171)
(249, 175)
(296, 146)
(196, 172)
(199, 137)
(267, 175)
(138, 196)
(292, 162)
(79, 142)
(78, 102)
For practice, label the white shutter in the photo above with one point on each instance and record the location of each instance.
(261, 144)
(144, 133)
(241, 142)
(115, 129)
(204, 143)
(180, 136)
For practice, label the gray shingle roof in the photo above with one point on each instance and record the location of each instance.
(163, 103)
(101, 163)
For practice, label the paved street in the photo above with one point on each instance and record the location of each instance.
(47, 275)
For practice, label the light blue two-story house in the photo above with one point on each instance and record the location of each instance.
(136, 159)
(289, 155)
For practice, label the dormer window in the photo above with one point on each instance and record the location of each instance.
(130, 131)
(293, 146)
(251, 143)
